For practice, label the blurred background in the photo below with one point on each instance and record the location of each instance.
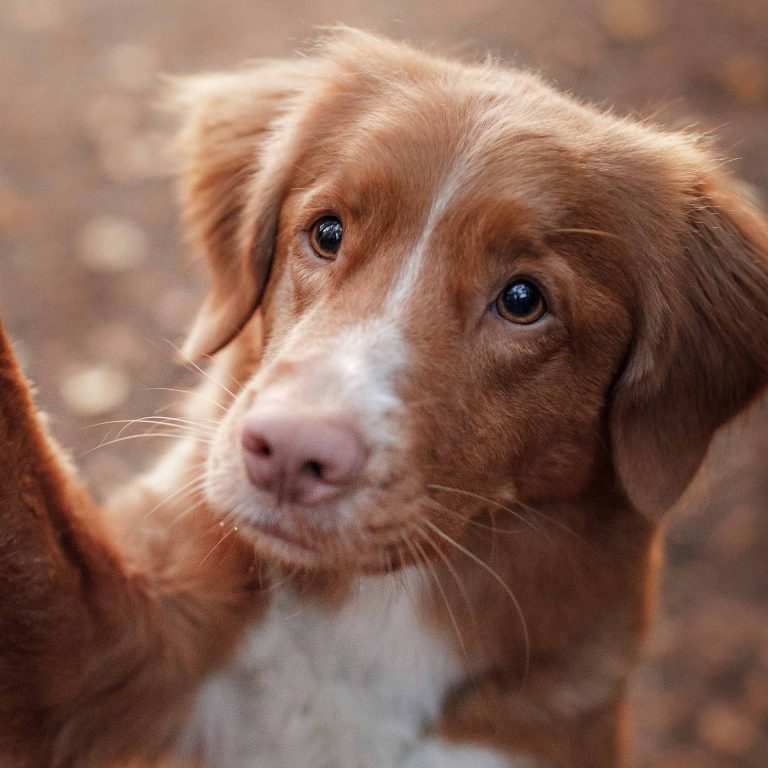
(96, 286)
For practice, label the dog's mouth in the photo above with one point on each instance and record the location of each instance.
(329, 551)
(285, 546)
(359, 517)
(380, 547)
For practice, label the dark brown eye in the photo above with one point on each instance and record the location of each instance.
(521, 302)
(325, 236)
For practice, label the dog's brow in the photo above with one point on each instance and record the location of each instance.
(412, 266)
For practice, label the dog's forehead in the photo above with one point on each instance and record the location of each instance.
(461, 149)
(442, 161)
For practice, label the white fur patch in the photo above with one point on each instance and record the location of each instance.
(364, 362)
(314, 688)
(436, 753)
(413, 265)
(351, 372)
(351, 375)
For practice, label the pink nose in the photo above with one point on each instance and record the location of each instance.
(299, 458)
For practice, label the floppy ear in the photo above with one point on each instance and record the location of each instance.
(707, 358)
(237, 135)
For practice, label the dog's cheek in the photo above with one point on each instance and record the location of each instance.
(557, 444)
(446, 445)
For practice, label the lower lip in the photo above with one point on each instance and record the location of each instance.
(279, 536)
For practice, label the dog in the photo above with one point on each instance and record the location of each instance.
(470, 340)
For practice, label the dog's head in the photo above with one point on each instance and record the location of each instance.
(454, 277)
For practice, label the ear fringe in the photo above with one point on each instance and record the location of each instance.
(713, 361)
(225, 121)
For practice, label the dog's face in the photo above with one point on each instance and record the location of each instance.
(470, 288)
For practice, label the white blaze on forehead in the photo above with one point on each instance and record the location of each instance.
(414, 263)
(354, 369)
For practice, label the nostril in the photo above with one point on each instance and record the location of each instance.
(256, 444)
(302, 459)
(313, 468)
(262, 448)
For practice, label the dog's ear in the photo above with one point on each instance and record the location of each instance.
(702, 355)
(235, 145)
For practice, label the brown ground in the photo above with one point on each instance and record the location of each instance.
(92, 279)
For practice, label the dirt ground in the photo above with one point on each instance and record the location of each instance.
(96, 286)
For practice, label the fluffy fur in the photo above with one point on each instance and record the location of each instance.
(479, 595)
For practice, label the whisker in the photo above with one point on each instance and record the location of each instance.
(503, 584)
(567, 529)
(219, 543)
(440, 587)
(178, 435)
(462, 588)
(209, 400)
(548, 518)
(454, 573)
(493, 529)
(460, 491)
(187, 420)
(161, 421)
(419, 562)
(238, 384)
(295, 614)
(200, 370)
(181, 433)
(184, 428)
(403, 580)
(187, 489)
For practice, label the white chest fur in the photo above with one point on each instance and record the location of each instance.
(353, 688)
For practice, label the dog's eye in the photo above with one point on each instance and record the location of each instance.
(521, 302)
(325, 236)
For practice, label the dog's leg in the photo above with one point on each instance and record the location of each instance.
(99, 654)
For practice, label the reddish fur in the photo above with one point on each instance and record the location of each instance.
(657, 274)
(101, 650)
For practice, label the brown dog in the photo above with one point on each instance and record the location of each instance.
(472, 339)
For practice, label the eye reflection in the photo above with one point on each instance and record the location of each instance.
(521, 302)
(325, 237)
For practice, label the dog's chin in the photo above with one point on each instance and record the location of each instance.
(374, 552)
